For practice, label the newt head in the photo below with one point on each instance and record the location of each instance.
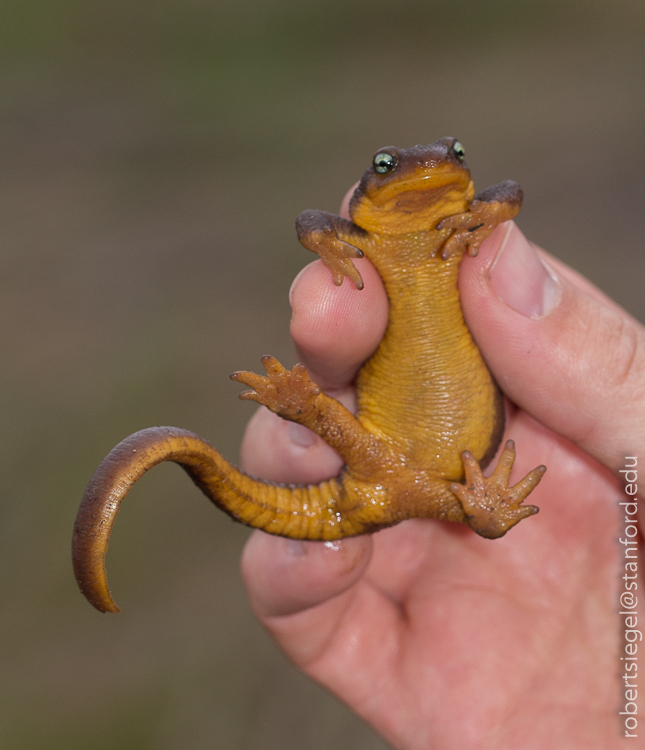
(411, 190)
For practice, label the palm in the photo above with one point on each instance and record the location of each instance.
(449, 640)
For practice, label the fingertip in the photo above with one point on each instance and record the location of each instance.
(344, 206)
(336, 328)
(286, 576)
(476, 267)
(282, 451)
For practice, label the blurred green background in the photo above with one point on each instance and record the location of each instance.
(154, 154)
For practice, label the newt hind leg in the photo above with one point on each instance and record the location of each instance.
(490, 505)
(293, 395)
(288, 393)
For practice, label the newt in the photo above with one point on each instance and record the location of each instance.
(429, 414)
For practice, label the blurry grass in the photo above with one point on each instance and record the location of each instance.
(242, 33)
(154, 157)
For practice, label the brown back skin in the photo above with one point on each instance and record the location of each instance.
(429, 414)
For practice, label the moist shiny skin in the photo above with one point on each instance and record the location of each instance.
(429, 413)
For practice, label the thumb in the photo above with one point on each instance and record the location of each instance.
(558, 347)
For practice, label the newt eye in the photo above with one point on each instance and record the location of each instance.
(458, 150)
(384, 163)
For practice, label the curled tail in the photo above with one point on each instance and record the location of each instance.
(300, 512)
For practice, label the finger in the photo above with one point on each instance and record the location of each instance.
(252, 379)
(455, 222)
(355, 322)
(524, 486)
(272, 366)
(505, 463)
(557, 347)
(344, 206)
(336, 328)
(281, 451)
(286, 576)
(251, 396)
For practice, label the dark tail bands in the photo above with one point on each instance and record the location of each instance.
(112, 481)
(300, 512)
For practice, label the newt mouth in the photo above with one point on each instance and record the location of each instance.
(431, 183)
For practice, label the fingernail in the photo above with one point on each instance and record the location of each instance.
(300, 435)
(296, 547)
(521, 279)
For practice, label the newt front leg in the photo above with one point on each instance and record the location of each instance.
(489, 209)
(330, 236)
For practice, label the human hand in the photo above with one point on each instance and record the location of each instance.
(436, 637)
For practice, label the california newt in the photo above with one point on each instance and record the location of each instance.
(429, 413)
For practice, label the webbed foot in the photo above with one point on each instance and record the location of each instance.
(289, 393)
(490, 505)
